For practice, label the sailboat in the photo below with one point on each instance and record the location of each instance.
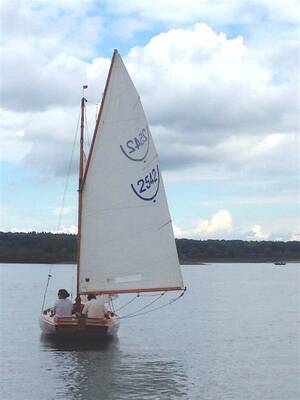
(125, 236)
(280, 262)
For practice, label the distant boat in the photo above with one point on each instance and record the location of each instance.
(125, 236)
(279, 263)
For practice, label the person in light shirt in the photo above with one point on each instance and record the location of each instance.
(95, 308)
(63, 306)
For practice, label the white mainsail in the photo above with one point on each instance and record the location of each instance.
(127, 241)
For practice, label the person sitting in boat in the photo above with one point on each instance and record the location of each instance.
(63, 306)
(95, 308)
(77, 306)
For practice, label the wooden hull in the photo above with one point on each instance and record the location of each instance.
(73, 327)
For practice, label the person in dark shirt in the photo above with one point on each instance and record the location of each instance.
(77, 306)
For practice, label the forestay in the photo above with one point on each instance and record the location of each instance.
(127, 242)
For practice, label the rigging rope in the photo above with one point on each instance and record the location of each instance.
(111, 304)
(138, 313)
(44, 299)
(87, 141)
(126, 304)
(146, 306)
(68, 176)
(62, 203)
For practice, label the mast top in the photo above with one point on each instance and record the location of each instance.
(84, 87)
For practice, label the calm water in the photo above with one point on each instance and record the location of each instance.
(234, 335)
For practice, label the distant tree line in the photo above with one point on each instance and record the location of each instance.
(193, 251)
(36, 247)
(61, 248)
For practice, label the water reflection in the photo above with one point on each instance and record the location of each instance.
(106, 371)
(49, 343)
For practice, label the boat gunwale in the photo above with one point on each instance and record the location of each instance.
(72, 321)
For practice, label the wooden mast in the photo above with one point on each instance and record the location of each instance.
(83, 100)
(82, 170)
(98, 118)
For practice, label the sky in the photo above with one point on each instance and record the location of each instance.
(219, 82)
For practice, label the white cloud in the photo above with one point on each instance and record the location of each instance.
(20, 230)
(178, 232)
(203, 85)
(221, 107)
(37, 85)
(220, 224)
(259, 234)
(208, 98)
(12, 147)
(44, 47)
(296, 237)
(126, 28)
(216, 11)
(52, 26)
(72, 229)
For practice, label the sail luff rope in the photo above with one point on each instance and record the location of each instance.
(62, 205)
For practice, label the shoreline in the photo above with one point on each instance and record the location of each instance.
(208, 262)
(183, 263)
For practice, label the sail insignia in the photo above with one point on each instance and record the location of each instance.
(137, 148)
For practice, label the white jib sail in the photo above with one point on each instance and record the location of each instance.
(127, 240)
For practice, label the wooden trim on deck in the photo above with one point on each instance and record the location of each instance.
(84, 321)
